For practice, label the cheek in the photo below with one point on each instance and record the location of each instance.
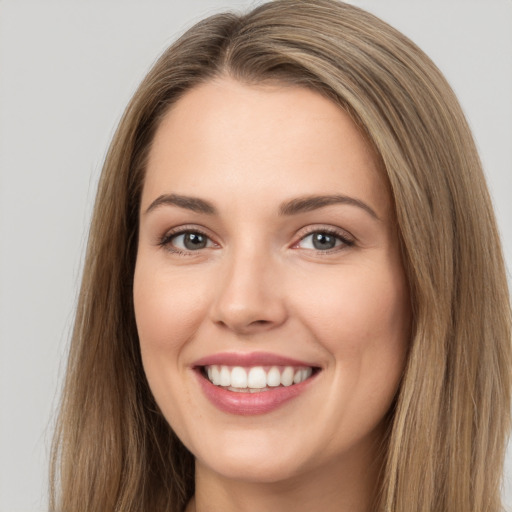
(363, 322)
(356, 310)
(168, 311)
(168, 308)
(361, 317)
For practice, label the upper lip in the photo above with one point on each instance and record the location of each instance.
(250, 359)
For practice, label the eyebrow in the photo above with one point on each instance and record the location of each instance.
(309, 203)
(189, 203)
(292, 207)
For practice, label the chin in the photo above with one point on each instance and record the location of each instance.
(256, 469)
(252, 458)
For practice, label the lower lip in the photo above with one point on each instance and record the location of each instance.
(248, 404)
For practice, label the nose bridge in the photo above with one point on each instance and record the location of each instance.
(248, 295)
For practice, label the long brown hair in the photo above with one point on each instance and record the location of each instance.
(114, 451)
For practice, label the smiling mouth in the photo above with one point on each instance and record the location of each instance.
(256, 379)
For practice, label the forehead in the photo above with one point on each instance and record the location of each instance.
(225, 137)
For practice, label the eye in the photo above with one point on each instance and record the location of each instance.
(324, 241)
(186, 241)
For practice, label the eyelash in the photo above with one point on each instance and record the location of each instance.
(165, 241)
(346, 240)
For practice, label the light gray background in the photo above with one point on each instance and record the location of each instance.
(67, 69)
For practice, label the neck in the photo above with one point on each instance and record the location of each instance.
(347, 485)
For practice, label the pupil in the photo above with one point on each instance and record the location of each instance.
(194, 241)
(323, 241)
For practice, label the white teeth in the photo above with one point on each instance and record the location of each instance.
(287, 376)
(225, 376)
(301, 375)
(215, 375)
(274, 377)
(256, 378)
(238, 377)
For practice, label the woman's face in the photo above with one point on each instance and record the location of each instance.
(268, 255)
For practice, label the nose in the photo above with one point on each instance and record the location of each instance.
(249, 296)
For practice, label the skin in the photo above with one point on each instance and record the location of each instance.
(260, 285)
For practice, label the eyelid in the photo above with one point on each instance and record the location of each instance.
(164, 240)
(346, 238)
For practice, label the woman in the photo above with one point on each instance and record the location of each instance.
(294, 294)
